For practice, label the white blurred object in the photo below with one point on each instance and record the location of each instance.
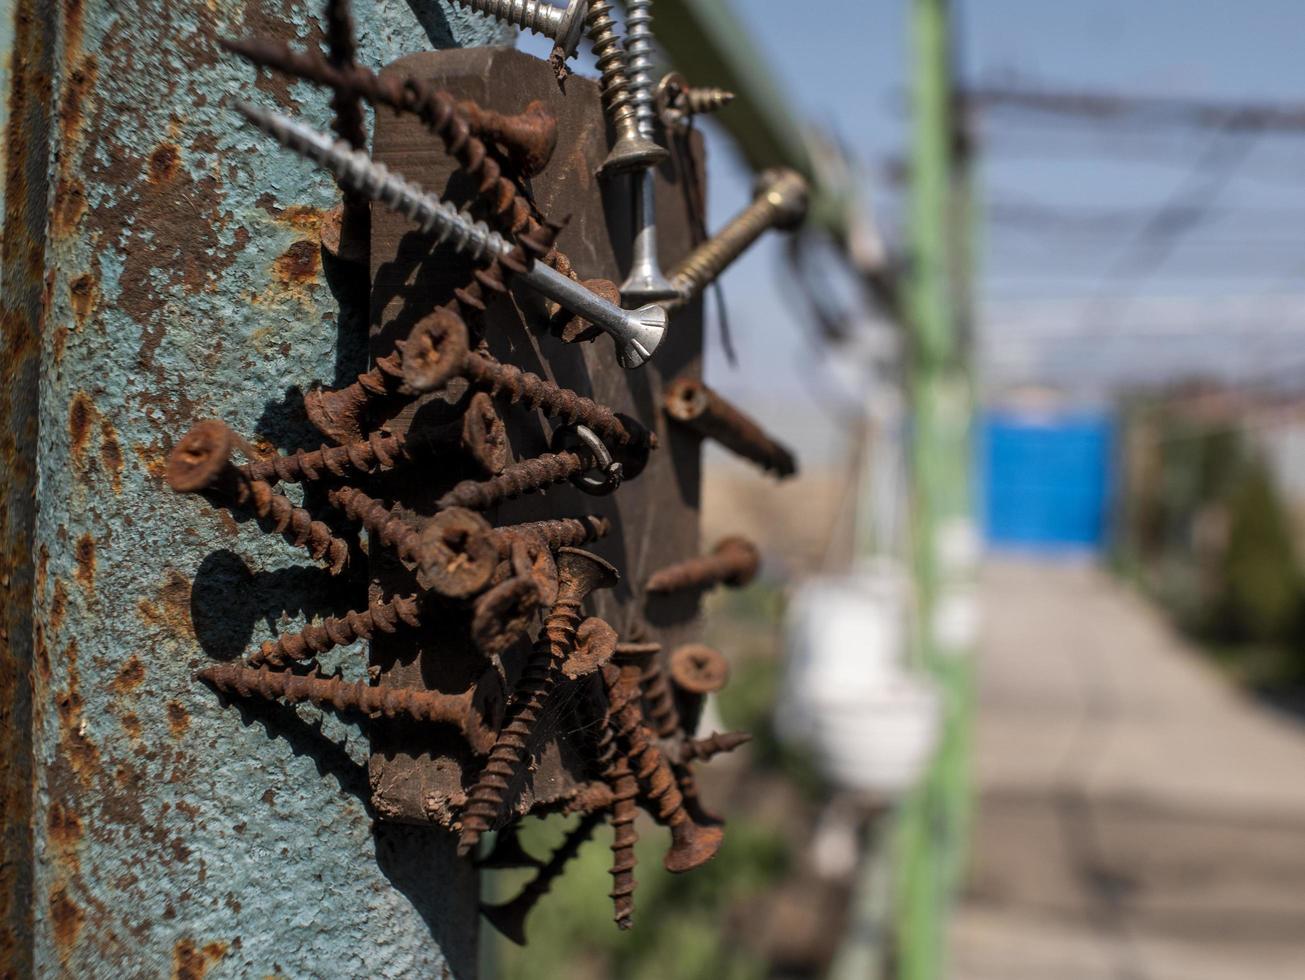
(871, 721)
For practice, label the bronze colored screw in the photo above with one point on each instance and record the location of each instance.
(527, 476)
(529, 138)
(503, 613)
(703, 749)
(677, 101)
(338, 631)
(691, 403)
(479, 432)
(563, 532)
(201, 462)
(438, 350)
(359, 696)
(579, 573)
(733, 562)
(699, 669)
(691, 843)
(780, 201)
(510, 917)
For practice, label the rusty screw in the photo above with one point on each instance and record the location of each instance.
(733, 562)
(339, 631)
(699, 669)
(201, 462)
(691, 843)
(438, 349)
(479, 433)
(780, 201)
(695, 406)
(529, 137)
(703, 749)
(579, 573)
(527, 476)
(341, 695)
(503, 613)
(510, 917)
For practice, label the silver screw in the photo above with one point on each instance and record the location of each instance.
(779, 201)
(646, 283)
(632, 148)
(637, 332)
(563, 25)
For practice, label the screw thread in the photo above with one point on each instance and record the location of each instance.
(532, 689)
(338, 631)
(348, 121)
(338, 413)
(639, 54)
(529, 15)
(519, 478)
(734, 562)
(276, 512)
(562, 532)
(390, 529)
(373, 453)
(610, 59)
(508, 380)
(701, 101)
(660, 700)
(703, 749)
(341, 695)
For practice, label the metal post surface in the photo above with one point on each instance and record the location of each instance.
(161, 264)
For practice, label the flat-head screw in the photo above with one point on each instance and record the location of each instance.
(503, 613)
(780, 201)
(563, 25)
(337, 631)
(456, 555)
(510, 917)
(528, 137)
(636, 333)
(578, 574)
(703, 749)
(699, 669)
(201, 461)
(463, 710)
(733, 562)
(632, 148)
(438, 349)
(595, 644)
(701, 409)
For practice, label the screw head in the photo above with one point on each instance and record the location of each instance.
(503, 614)
(435, 350)
(200, 457)
(483, 433)
(580, 572)
(685, 400)
(532, 560)
(699, 669)
(632, 152)
(595, 642)
(456, 554)
(744, 553)
(786, 191)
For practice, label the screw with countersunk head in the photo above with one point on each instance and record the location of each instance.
(632, 148)
(461, 710)
(637, 333)
(696, 406)
(733, 562)
(201, 462)
(528, 137)
(780, 201)
(699, 669)
(338, 631)
(562, 25)
(703, 749)
(579, 573)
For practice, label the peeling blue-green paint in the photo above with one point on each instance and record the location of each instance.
(173, 835)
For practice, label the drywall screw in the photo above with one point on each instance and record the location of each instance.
(479, 433)
(201, 461)
(699, 669)
(348, 119)
(779, 201)
(733, 562)
(508, 852)
(510, 917)
(692, 844)
(337, 631)
(339, 413)
(632, 148)
(702, 749)
(579, 573)
(438, 349)
(529, 137)
(646, 282)
(509, 211)
(358, 696)
(527, 556)
(696, 406)
(527, 476)
(563, 25)
(637, 333)
(595, 644)
(503, 613)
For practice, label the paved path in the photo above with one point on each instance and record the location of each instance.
(1138, 819)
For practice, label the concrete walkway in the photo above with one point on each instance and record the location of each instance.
(1138, 819)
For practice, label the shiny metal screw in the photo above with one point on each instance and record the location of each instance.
(563, 25)
(632, 148)
(780, 201)
(637, 333)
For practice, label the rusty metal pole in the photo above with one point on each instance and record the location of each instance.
(176, 272)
